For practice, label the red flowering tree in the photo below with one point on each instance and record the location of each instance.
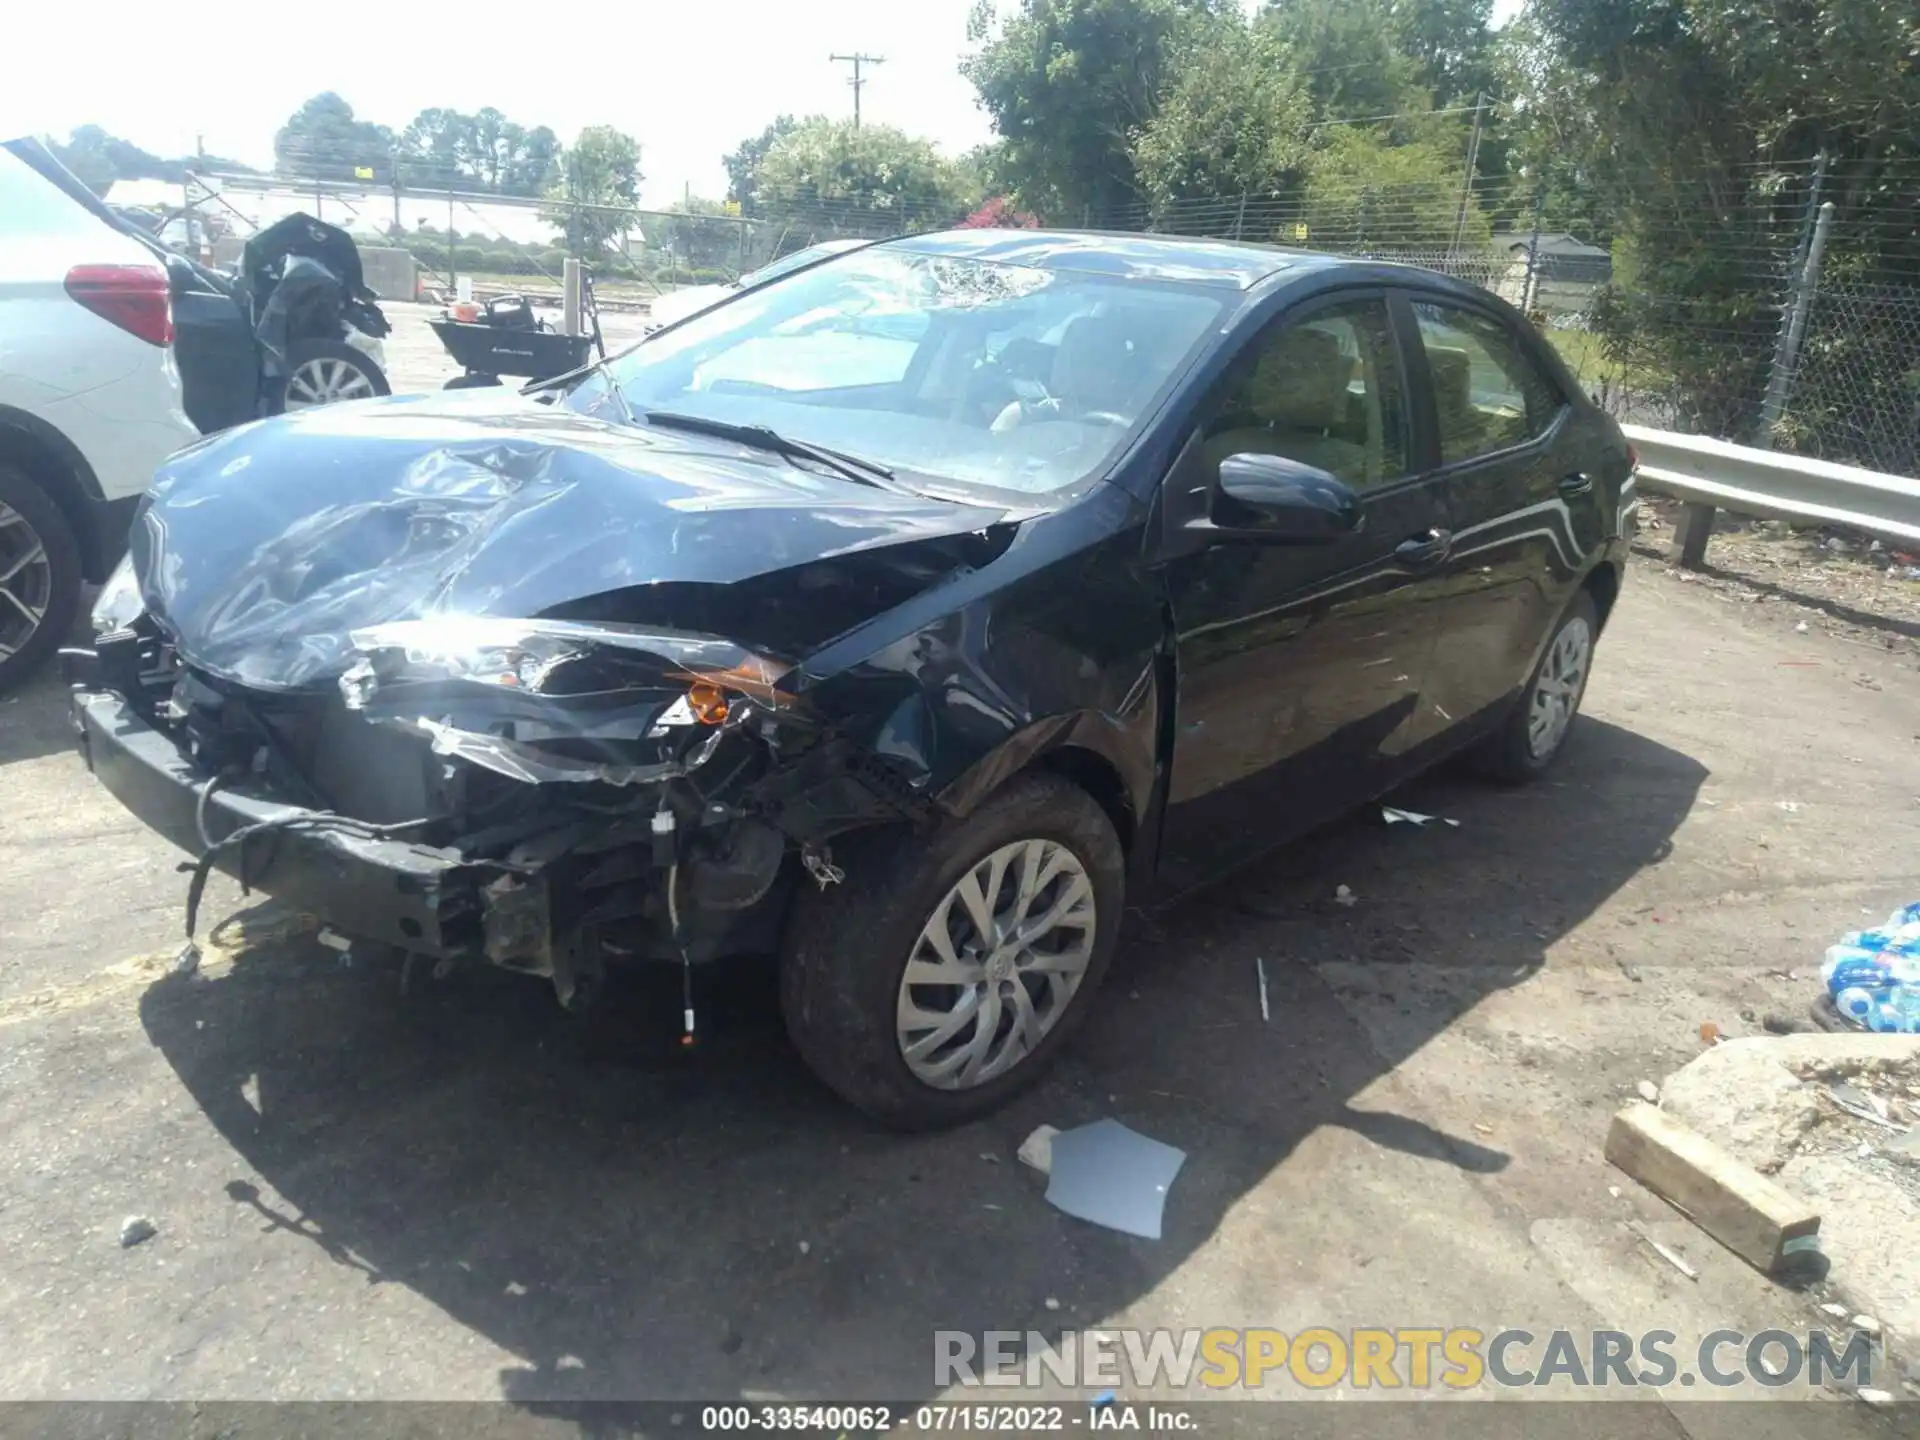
(998, 214)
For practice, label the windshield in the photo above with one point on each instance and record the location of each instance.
(996, 375)
(798, 260)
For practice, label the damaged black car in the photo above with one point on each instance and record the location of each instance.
(909, 617)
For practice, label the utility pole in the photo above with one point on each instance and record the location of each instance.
(1473, 160)
(856, 60)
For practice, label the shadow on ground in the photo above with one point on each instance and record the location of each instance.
(628, 1217)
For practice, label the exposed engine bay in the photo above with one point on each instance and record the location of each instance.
(551, 694)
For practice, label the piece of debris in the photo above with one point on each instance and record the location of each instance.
(1731, 1201)
(1393, 815)
(1792, 807)
(1801, 628)
(1839, 1312)
(1037, 1149)
(136, 1228)
(514, 1287)
(1614, 1191)
(1260, 970)
(1865, 1324)
(989, 1157)
(1342, 895)
(569, 1362)
(1672, 1257)
(1113, 1176)
(1482, 1129)
(1775, 1023)
(1649, 1092)
(806, 1247)
(1709, 1033)
(1873, 1396)
(1860, 1106)
(1052, 1304)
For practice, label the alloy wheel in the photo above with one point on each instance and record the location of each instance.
(26, 581)
(1556, 694)
(997, 965)
(325, 380)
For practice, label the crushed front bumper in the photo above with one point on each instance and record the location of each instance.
(417, 897)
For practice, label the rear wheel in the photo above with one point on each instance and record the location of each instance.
(942, 975)
(40, 576)
(1532, 736)
(325, 372)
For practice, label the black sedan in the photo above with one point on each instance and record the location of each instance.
(908, 616)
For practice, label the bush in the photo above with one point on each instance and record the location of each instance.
(470, 257)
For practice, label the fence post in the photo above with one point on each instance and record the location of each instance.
(570, 295)
(1529, 288)
(1240, 218)
(1690, 536)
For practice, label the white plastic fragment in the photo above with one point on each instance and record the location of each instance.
(1260, 969)
(1343, 895)
(1649, 1092)
(1037, 1149)
(1393, 815)
(1113, 1176)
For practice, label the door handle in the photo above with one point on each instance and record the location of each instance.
(1425, 550)
(1576, 484)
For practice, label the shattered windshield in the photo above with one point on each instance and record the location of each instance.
(997, 375)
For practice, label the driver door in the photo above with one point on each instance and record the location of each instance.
(1300, 666)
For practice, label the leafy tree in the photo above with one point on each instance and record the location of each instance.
(702, 235)
(98, 159)
(592, 201)
(873, 177)
(322, 140)
(1068, 84)
(1451, 43)
(1363, 193)
(1350, 55)
(743, 162)
(1233, 121)
(482, 151)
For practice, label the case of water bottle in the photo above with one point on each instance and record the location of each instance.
(1874, 975)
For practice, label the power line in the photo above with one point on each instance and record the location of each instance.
(857, 59)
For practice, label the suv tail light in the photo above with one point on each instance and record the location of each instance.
(134, 297)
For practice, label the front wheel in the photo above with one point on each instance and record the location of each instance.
(942, 975)
(325, 372)
(1530, 738)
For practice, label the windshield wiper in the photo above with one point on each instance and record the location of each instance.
(863, 472)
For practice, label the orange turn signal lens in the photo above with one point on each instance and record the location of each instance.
(708, 703)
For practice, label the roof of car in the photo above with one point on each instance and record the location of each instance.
(1224, 264)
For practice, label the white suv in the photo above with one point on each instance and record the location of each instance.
(89, 402)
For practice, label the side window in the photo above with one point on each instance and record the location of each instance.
(1487, 394)
(1323, 390)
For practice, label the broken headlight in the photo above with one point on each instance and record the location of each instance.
(557, 658)
(120, 603)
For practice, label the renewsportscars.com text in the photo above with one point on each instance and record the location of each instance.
(1410, 1358)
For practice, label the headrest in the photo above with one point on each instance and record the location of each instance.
(1300, 383)
(1093, 366)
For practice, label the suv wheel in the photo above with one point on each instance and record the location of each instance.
(943, 974)
(39, 576)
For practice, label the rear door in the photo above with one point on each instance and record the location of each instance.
(1300, 666)
(1525, 507)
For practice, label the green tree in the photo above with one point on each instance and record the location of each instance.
(1234, 120)
(1349, 51)
(482, 151)
(874, 178)
(1069, 84)
(743, 162)
(1364, 193)
(592, 201)
(703, 235)
(323, 141)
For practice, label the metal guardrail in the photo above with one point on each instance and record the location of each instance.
(1715, 475)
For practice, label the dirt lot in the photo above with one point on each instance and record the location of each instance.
(460, 1193)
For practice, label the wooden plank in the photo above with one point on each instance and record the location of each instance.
(1731, 1201)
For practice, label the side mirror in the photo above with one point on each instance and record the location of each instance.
(1269, 497)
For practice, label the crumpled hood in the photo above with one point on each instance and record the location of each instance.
(259, 550)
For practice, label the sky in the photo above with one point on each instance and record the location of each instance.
(689, 80)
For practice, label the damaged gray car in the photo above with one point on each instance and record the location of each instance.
(908, 617)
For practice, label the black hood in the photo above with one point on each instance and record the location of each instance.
(260, 549)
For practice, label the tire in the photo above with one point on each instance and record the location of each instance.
(1512, 754)
(847, 949)
(40, 563)
(331, 368)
